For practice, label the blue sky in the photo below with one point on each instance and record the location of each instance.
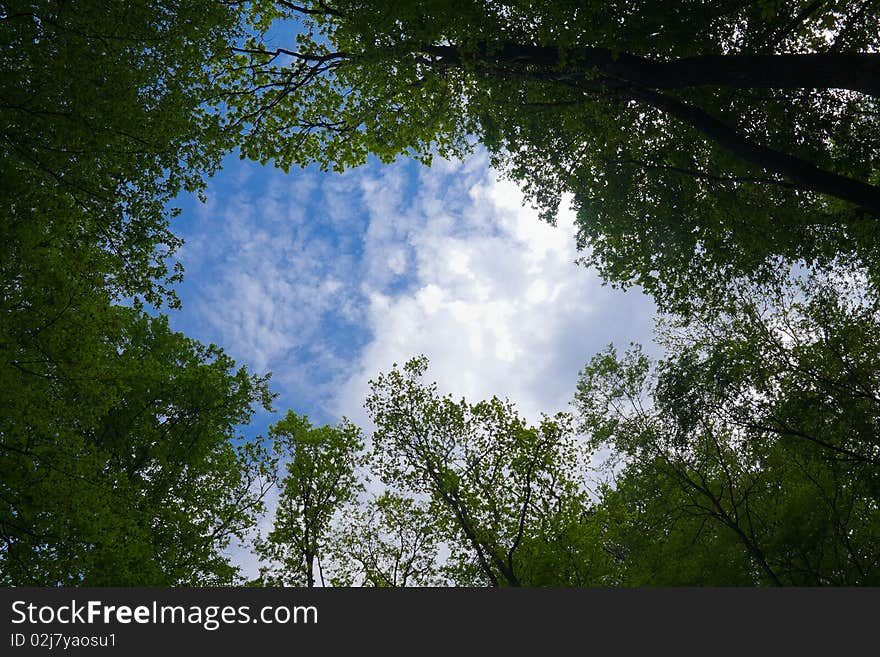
(326, 279)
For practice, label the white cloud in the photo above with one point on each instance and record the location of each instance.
(493, 296)
(269, 277)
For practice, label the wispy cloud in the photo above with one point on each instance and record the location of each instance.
(488, 292)
(269, 277)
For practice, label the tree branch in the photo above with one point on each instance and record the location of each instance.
(806, 175)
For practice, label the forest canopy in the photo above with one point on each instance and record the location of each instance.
(120, 446)
(724, 156)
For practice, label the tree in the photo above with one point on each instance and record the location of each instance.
(118, 440)
(103, 122)
(751, 448)
(700, 143)
(120, 459)
(507, 497)
(322, 478)
(391, 541)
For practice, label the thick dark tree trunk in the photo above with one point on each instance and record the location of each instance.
(853, 71)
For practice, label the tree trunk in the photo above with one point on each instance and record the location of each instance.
(853, 71)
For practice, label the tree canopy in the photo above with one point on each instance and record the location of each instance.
(120, 454)
(507, 497)
(103, 122)
(463, 494)
(392, 540)
(751, 447)
(321, 465)
(119, 458)
(698, 142)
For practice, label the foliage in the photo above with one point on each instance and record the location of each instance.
(103, 122)
(120, 458)
(706, 149)
(117, 453)
(751, 448)
(321, 466)
(391, 541)
(507, 497)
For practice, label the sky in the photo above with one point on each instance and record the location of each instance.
(328, 279)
